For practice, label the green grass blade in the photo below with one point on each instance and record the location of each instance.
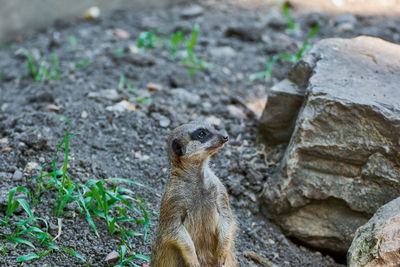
(18, 240)
(286, 13)
(193, 40)
(83, 63)
(75, 254)
(87, 213)
(121, 83)
(28, 257)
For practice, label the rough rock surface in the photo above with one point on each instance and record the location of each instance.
(279, 116)
(377, 243)
(343, 159)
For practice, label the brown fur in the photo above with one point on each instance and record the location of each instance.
(196, 226)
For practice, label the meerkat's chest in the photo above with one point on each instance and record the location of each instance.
(201, 222)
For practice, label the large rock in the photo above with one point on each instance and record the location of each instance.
(377, 243)
(343, 159)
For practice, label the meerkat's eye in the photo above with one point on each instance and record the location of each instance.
(201, 134)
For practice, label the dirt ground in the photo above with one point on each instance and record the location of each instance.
(237, 39)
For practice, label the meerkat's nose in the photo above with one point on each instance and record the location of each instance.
(225, 138)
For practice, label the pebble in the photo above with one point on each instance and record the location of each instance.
(17, 176)
(93, 13)
(30, 166)
(84, 114)
(234, 110)
(192, 11)
(164, 121)
(122, 106)
(213, 120)
(109, 94)
(185, 96)
(120, 33)
(255, 257)
(154, 87)
(223, 52)
(112, 256)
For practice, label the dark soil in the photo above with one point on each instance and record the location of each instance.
(133, 144)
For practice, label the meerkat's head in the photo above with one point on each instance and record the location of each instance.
(195, 141)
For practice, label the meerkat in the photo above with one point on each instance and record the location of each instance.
(196, 226)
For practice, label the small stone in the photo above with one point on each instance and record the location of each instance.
(84, 114)
(345, 27)
(109, 94)
(113, 256)
(53, 107)
(4, 141)
(213, 120)
(185, 96)
(164, 121)
(6, 149)
(223, 52)
(31, 166)
(122, 106)
(255, 257)
(17, 176)
(93, 13)
(192, 11)
(120, 33)
(154, 87)
(234, 110)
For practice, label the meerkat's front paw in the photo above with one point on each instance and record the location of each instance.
(221, 261)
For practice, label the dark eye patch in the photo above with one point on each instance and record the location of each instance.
(201, 135)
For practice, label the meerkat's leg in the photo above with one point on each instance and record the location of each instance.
(226, 228)
(181, 239)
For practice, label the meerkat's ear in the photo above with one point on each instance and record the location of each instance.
(178, 148)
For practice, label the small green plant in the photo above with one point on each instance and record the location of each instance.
(292, 58)
(147, 40)
(125, 84)
(40, 70)
(73, 42)
(127, 261)
(4, 250)
(192, 61)
(83, 63)
(286, 12)
(175, 40)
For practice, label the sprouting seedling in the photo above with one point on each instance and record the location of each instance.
(73, 42)
(41, 70)
(125, 83)
(192, 61)
(146, 40)
(286, 12)
(83, 63)
(192, 41)
(4, 249)
(125, 261)
(292, 58)
(176, 39)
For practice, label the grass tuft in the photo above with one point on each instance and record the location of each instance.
(40, 70)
